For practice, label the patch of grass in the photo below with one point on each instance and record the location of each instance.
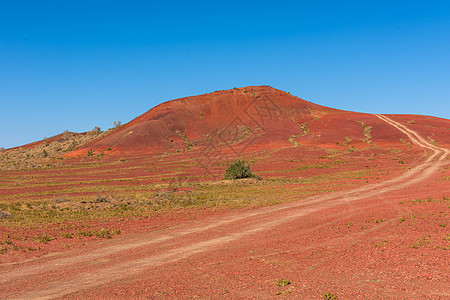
(136, 198)
(405, 143)
(103, 233)
(44, 239)
(66, 235)
(367, 133)
(381, 243)
(292, 140)
(42, 155)
(424, 241)
(329, 296)
(287, 292)
(188, 143)
(283, 282)
(432, 141)
(17, 248)
(347, 141)
(327, 165)
(444, 200)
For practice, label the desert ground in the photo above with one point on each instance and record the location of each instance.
(347, 206)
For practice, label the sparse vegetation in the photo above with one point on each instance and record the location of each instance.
(367, 133)
(188, 143)
(4, 215)
(44, 154)
(347, 141)
(420, 243)
(66, 235)
(303, 126)
(405, 143)
(432, 141)
(292, 140)
(445, 201)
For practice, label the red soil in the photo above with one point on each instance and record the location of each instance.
(372, 241)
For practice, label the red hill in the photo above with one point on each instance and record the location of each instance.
(256, 117)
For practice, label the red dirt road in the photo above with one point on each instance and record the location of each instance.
(242, 255)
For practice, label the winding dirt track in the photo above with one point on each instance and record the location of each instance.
(127, 256)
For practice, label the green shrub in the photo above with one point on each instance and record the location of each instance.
(239, 169)
(44, 239)
(329, 296)
(283, 282)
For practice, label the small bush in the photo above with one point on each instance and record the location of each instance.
(283, 282)
(329, 296)
(67, 235)
(239, 169)
(4, 214)
(103, 233)
(44, 239)
(95, 131)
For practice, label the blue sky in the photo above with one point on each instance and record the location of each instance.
(73, 65)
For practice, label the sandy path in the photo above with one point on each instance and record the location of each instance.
(127, 256)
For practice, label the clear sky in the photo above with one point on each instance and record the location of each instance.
(73, 65)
